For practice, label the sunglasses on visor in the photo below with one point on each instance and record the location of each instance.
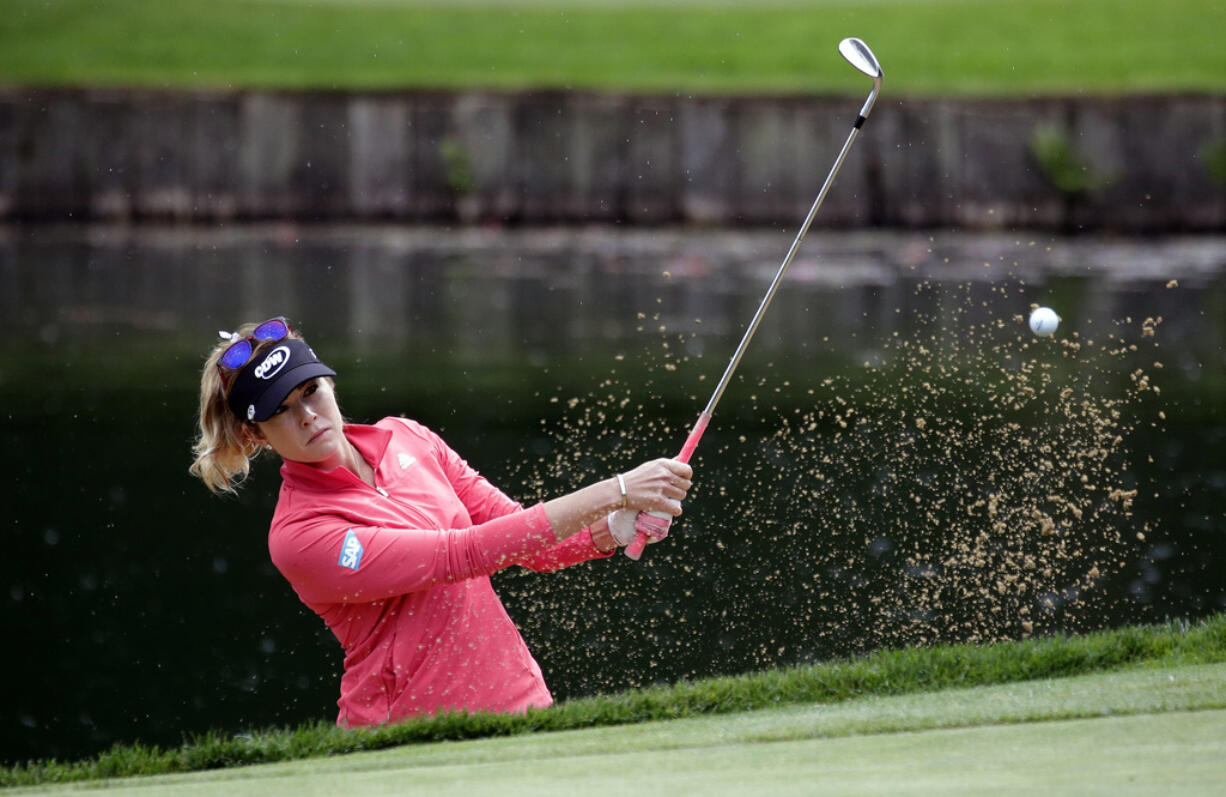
(238, 353)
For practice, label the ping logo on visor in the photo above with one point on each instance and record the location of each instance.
(273, 363)
(351, 552)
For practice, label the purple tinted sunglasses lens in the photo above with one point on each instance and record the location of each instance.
(274, 329)
(237, 355)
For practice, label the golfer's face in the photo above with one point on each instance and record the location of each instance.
(307, 426)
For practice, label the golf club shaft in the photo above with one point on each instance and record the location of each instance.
(774, 286)
(635, 549)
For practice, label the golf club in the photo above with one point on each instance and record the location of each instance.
(858, 55)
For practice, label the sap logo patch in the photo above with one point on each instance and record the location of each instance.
(405, 461)
(351, 552)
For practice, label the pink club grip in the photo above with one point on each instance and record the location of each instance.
(635, 549)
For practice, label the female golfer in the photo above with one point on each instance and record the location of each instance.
(391, 537)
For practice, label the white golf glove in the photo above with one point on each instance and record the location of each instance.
(621, 526)
(625, 524)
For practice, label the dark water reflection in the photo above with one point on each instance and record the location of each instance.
(142, 608)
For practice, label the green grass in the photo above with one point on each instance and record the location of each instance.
(887, 674)
(996, 47)
(1144, 730)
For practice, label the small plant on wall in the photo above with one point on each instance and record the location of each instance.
(1213, 154)
(460, 181)
(459, 169)
(1063, 169)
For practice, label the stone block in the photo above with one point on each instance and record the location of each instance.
(319, 179)
(917, 150)
(486, 144)
(270, 144)
(214, 161)
(432, 179)
(378, 156)
(8, 155)
(709, 164)
(544, 172)
(653, 164)
(53, 169)
(110, 151)
(162, 176)
(596, 152)
(765, 160)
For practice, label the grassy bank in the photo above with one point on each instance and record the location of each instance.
(995, 47)
(1138, 731)
(914, 671)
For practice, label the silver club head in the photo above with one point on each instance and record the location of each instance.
(858, 55)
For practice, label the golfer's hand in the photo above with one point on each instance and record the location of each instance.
(654, 492)
(658, 486)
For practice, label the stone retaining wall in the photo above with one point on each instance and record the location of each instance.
(582, 157)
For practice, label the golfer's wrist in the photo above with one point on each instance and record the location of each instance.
(620, 494)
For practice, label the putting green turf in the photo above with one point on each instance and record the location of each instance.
(1139, 731)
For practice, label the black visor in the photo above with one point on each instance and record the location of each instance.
(262, 384)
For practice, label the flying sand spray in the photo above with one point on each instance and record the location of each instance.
(858, 55)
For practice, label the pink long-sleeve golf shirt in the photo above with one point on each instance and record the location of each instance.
(400, 573)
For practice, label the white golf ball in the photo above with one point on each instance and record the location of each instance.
(1043, 321)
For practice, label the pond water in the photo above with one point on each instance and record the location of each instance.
(899, 461)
